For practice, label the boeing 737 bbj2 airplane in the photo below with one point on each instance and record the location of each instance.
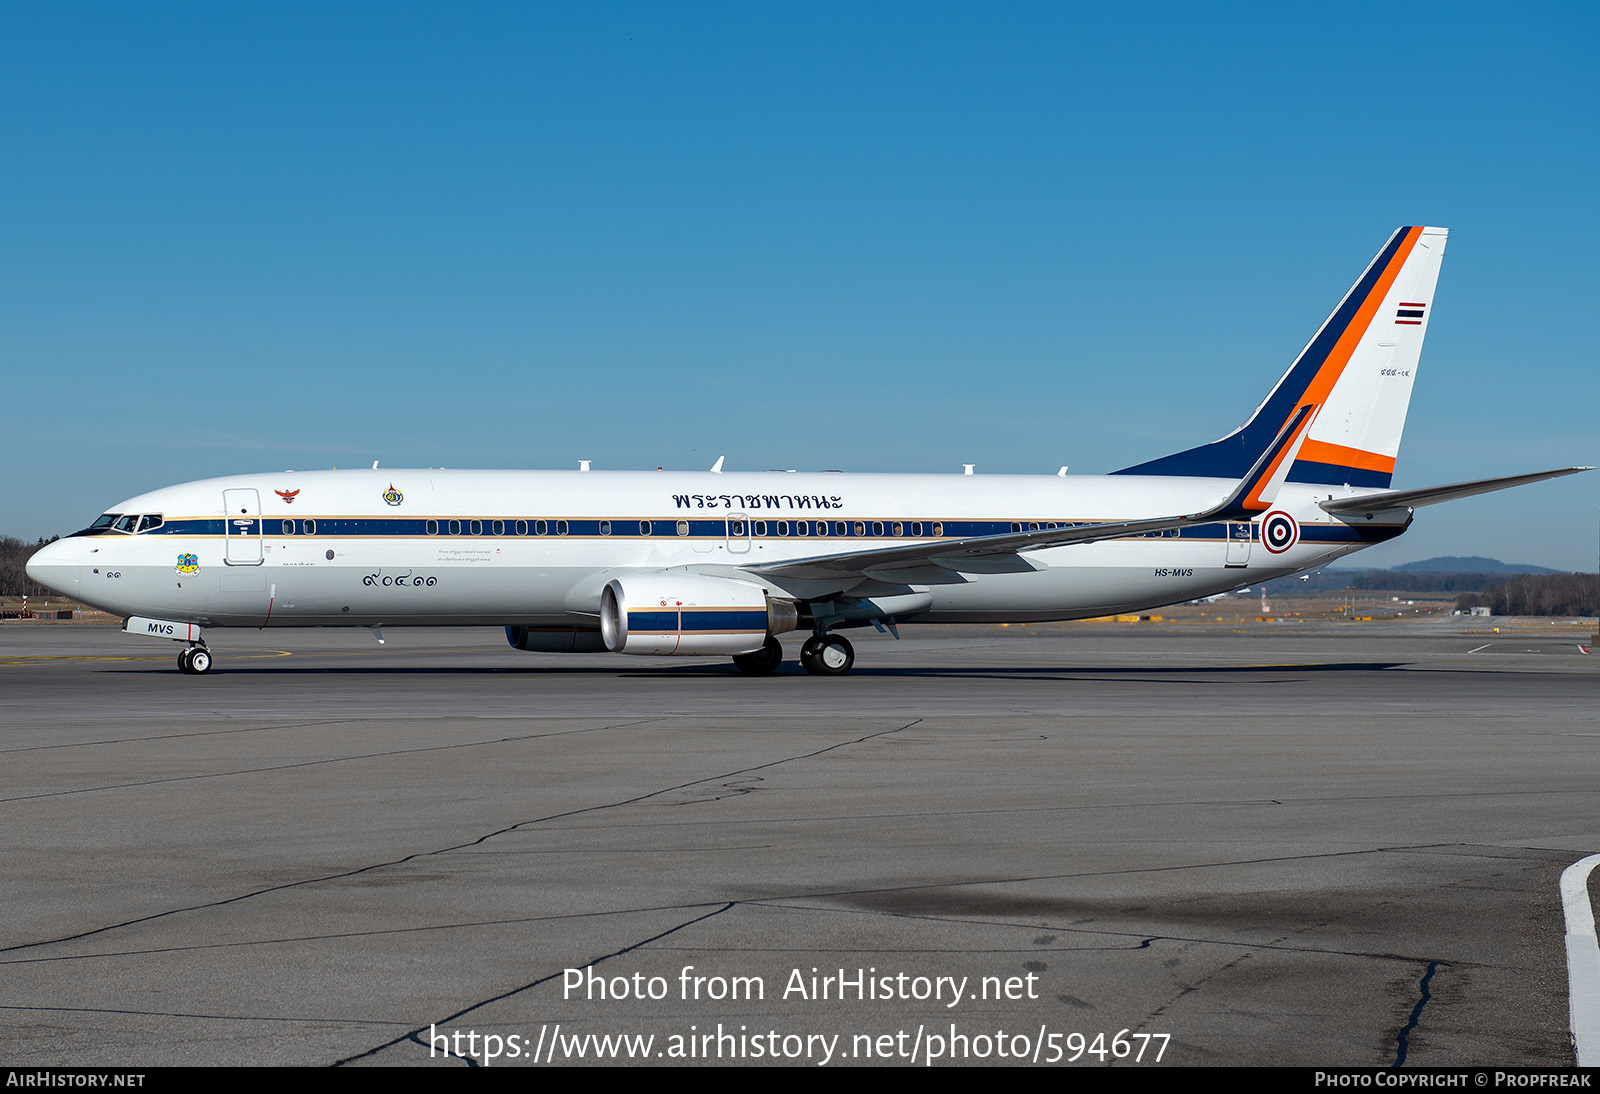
(711, 563)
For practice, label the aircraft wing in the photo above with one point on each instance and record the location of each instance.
(1432, 495)
(943, 561)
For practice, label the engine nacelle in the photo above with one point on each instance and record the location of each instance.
(671, 613)
(555, 640)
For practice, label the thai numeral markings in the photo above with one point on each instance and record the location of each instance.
(415, 581)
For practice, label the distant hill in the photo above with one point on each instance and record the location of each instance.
(1471, 564)
(1446, 574)
(1446, 564)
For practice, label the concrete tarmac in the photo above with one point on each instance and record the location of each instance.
(1272, 844)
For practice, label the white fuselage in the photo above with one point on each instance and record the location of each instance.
(437, 547)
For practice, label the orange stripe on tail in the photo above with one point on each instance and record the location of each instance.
(1324, 452)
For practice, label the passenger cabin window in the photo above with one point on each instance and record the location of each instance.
(499, 527)
(644, 528)
(477, 527)
(683, 527)
(288, 527)
(433, 527)
(522, 527)
(561, 527)
(455, 528)
(539, 527)
(605, 528)
(311, 527)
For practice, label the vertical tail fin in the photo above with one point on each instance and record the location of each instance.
(1356, 372)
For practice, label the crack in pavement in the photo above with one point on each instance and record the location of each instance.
(180, 736)
(201, 1015)
(339, 875)
(415, 1035)
(318, 763)
(1402, 1039)
(1146, 937)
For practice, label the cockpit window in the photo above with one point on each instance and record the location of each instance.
(112, 523)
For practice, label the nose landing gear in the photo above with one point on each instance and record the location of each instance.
(194, 661)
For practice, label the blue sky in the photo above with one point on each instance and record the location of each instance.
(859, 236)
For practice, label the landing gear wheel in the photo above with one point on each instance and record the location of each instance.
(762, 662)
(808, 654)
(183, 662)
(827, 655)
(199, 661)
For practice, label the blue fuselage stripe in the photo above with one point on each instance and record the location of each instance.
(630, 529)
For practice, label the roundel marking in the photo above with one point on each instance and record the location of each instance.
(1279, 532)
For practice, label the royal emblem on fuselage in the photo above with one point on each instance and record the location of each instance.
(188, 564)
(393, 496)
(288, 496)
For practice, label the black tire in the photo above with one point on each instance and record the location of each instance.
(808, 654)
(828, 655)
(199, 661)
(183, 662)
(763, 662)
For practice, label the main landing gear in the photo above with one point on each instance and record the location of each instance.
(822, 655)
(764, 661)
(827, 655)
(194, 661)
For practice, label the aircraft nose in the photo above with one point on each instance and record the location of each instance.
(57, 565)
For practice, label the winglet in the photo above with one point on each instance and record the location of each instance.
(716, 468)
(1255, 493)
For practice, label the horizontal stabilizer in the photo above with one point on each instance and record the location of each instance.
(1433, 495)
